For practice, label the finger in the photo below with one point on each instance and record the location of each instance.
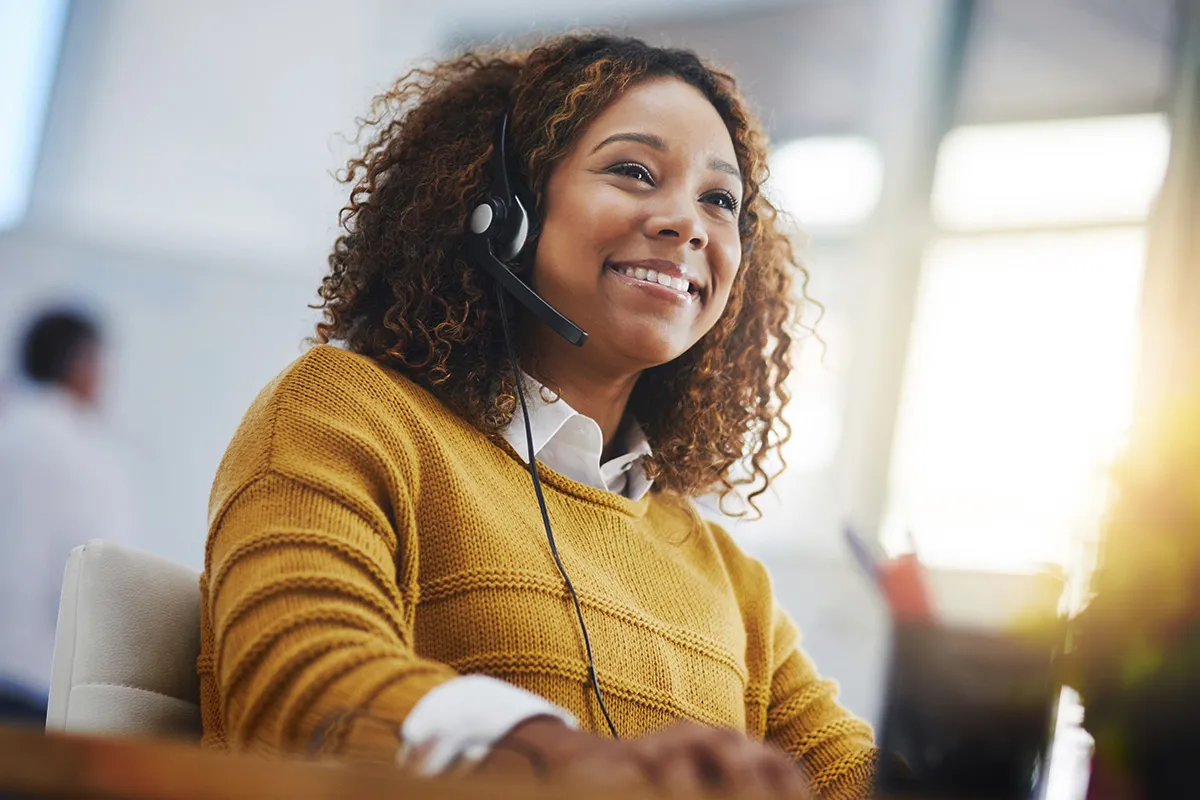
(609, 767)
(708, 753)
(654, 750)
(654, 755)
(786, 777)
(678, 777)
(670, 762)
(736, 763)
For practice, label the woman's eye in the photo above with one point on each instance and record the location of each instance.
(723, 199)
(633, 170)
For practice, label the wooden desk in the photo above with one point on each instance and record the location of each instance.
(34, 764)
(56, 765)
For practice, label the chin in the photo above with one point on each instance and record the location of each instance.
(651, 348)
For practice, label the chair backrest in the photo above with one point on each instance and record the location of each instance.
(126, 645)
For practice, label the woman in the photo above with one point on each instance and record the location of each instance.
(378, 578)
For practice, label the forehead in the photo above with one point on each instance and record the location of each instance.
(669, 108)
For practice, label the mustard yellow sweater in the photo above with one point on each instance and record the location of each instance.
(365, 545)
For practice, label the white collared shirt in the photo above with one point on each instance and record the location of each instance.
(572, 444)
(462, 718)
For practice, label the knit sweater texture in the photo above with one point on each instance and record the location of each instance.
(366, 544)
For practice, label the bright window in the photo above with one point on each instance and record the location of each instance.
(1017, 392)
(30, 33)
(826, 181)
(1019, 381)
(1031, 174)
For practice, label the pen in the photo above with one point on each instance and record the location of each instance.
(902, 580)
(868, 558)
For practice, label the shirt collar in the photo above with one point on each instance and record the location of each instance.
(573, 444)
(624, 473)
(546, 419)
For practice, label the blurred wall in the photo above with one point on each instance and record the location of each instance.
(185, 192)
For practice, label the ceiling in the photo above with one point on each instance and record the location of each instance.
(814, 66)
(210, 132)
(1033, 59)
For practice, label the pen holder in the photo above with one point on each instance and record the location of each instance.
(968, 714)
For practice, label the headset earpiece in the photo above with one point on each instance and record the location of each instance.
(506, 227)
(487, 217)
(518, 226)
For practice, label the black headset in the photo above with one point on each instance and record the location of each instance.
(497, 231)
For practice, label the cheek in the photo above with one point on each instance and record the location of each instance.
(587, 212)
(579, 229)
(727, 268)
(606, 217)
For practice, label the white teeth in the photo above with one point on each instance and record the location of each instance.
(653, 276)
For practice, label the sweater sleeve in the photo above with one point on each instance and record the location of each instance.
(311, 636)
(836, 748)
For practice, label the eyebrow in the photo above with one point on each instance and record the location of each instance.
(657, 143)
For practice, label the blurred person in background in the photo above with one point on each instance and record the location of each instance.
(61, 485)
(377, 579)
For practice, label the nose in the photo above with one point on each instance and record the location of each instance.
(678, 218)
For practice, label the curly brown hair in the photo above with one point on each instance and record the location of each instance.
(401, 290)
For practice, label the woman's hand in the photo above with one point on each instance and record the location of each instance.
(688, 760)
(544, 747)
(684, 761)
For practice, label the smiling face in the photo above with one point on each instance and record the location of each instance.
(640, 243)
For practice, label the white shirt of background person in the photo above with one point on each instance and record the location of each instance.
(62, 484)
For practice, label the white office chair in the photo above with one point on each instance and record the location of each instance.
(126, 645)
